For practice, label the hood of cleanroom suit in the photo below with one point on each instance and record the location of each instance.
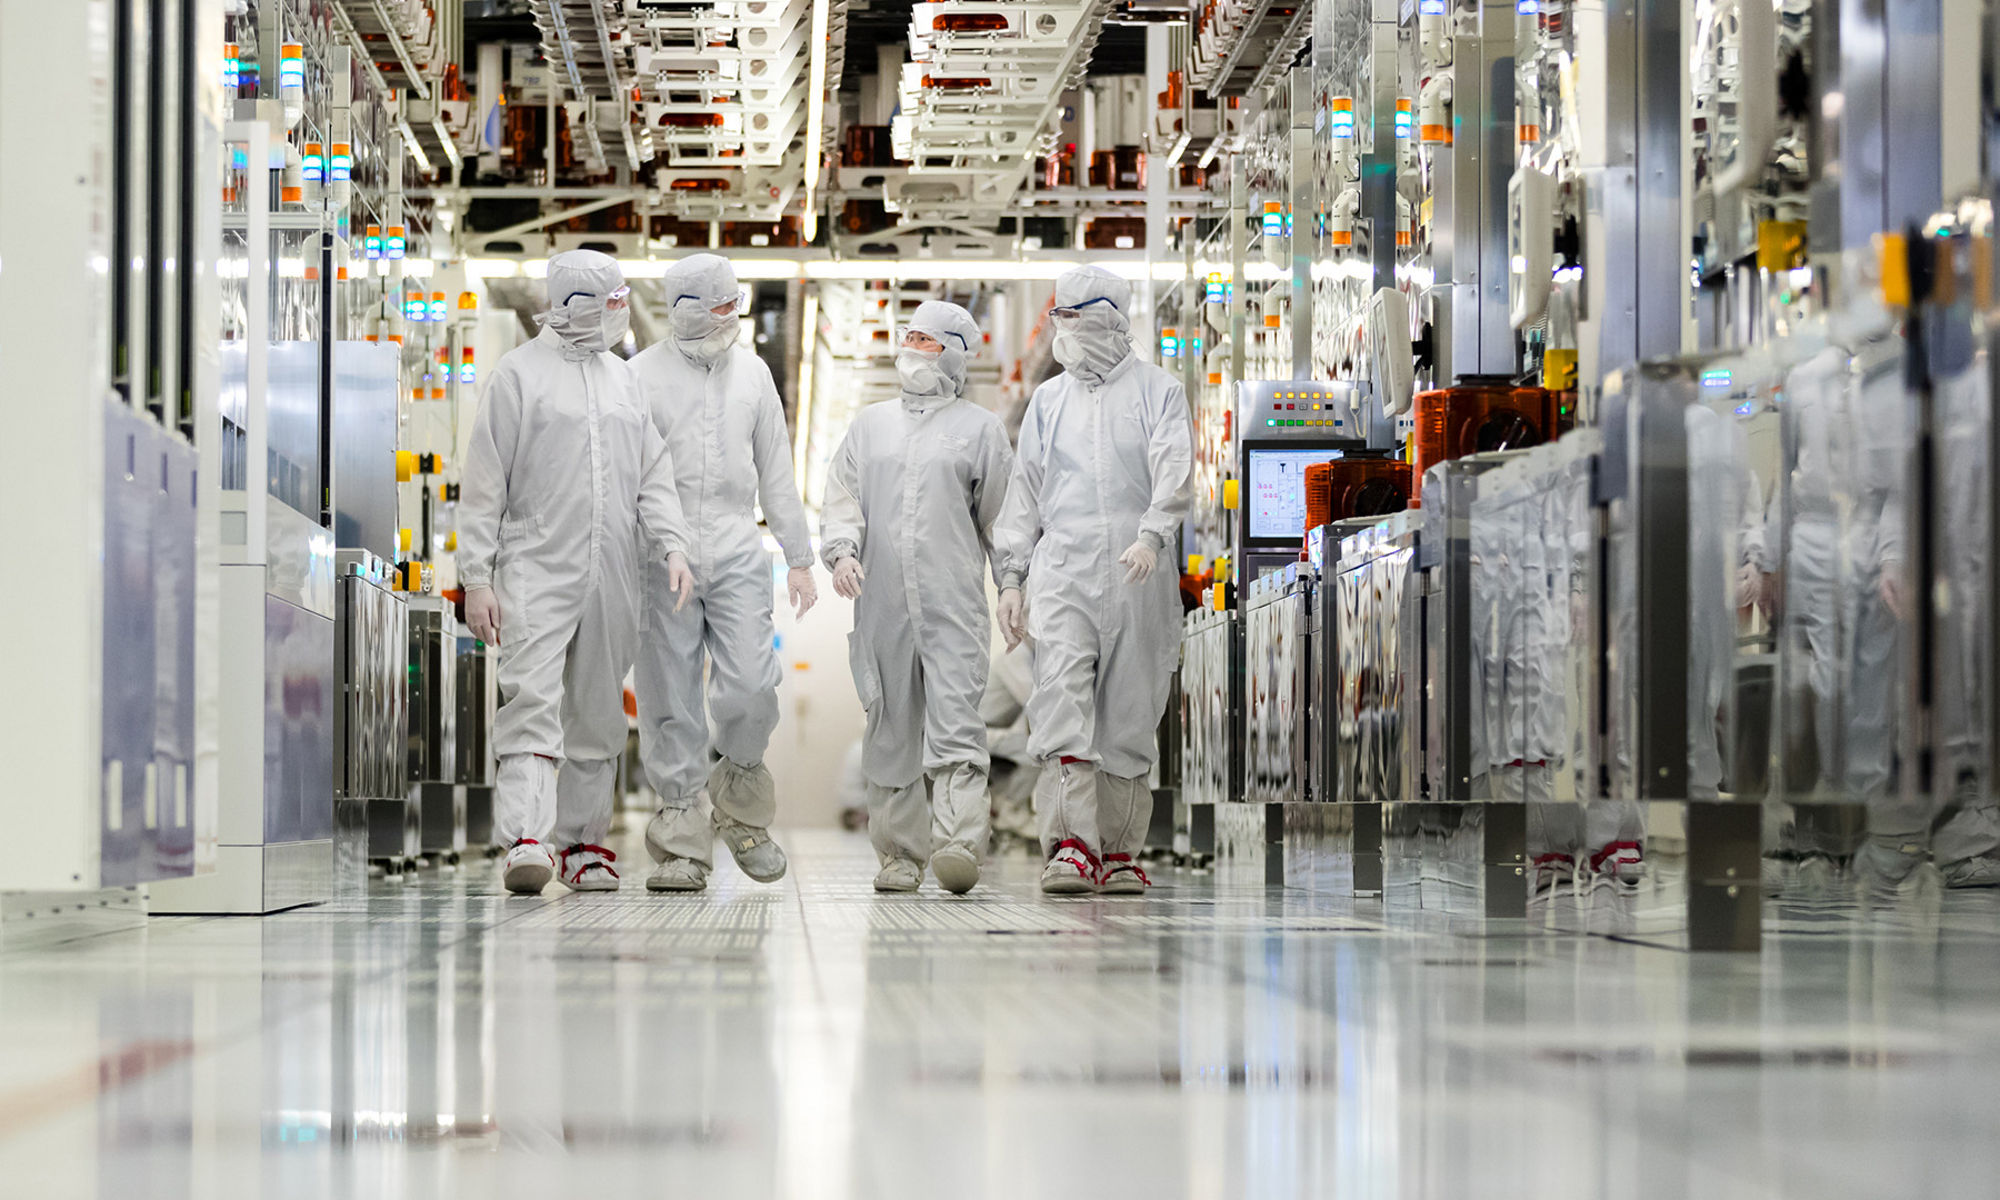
(579, 282)
(1100, 337)
(693, 287)
(940, 375)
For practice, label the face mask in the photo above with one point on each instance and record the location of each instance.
(920, 375)
(703, 335)
(706, 349)
(1090, 353)
(617, 323)
(588, 325)
(1068, 349)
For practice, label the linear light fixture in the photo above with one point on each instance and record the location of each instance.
(764, 268)
(808, 338)
(815, 118)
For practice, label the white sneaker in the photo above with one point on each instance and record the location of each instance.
(587, 868)
(678, 875)
(753, 849)
(956, 868)
(1071, 871)
(527, 868)
(899, 875)
(1122, 877)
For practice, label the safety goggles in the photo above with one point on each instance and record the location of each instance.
(618, 299)
(728, 308)
(935, 339)
(1075, 312)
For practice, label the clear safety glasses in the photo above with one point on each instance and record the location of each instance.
(618, 299)
(728, 308)
(1075, 312)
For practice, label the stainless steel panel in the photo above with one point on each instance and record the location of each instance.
(1535, 562)
(365, 408)
(298, 554)
(1375, 621)
(297, 873)
(292, 416)
(1276, 679)
(374, 788)
(299, 698)
(1211, 698)
(1453, 746)
(477, 694)
(433, 685)
(1684, 652)
(1682, 523)
(147, 749)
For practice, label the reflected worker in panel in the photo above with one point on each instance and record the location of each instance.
(568, 489)
(1101, 484)
(911, 499)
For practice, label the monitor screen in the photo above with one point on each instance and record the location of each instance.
(1277, 501)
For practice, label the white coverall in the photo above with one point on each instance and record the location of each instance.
(913, 493)
(567, 489)
(719, 410)
(1104, 462)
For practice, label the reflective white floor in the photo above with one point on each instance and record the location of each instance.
(815, 1040)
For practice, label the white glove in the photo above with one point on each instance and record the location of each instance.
(802, 591)
(1894, 595)
(680, 579)
(1750, 586)
(1139, 560)
(1013, 616)
(482, 614)
(847, 577)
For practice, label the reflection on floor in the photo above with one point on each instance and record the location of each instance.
(815, 1040)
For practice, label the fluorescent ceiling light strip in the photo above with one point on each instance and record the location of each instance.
(756, 268)
(809, 335)
(815, 118)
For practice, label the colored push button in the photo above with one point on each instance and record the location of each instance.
(451, 541)
(406, 465)
(1196, 564)
(1231, 494)
(1558, 370)
(403, 540)
(1892, 257)
(1781, 245)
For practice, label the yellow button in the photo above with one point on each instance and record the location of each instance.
(1229, 494)
(406, 466)
(403, 540)
(1196, 563)
(451, 540)
(1893, 254)
(1558, 369)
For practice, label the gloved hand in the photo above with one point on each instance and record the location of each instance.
(847, 577)
(1139, 560)
(482, 615)
(802, 591)
(1013, 616)
(680, 579)
(1752, 586)
(1895, 597)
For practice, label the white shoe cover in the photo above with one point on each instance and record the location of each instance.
(587, 868)
(956, 868)
(899, 875)
(527, 868)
